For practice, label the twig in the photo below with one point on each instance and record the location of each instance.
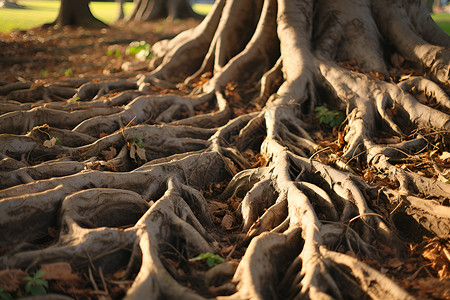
(91, 277)
(105, 287)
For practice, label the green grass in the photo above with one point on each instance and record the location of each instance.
(202, 9)
(443, 20)
(41, 12)
(37, 13)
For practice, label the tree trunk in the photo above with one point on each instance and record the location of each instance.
(136, 181)
(10, 4)
(146, 10)
(429, 5)
(77, 13)
(121, 12)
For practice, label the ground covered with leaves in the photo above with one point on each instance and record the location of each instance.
(47, 56)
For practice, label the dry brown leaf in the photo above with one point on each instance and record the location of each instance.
(136, 150)
(437, 251)
(445, 157)
(50, 143)
(227, 221)
(58, 270)
(119, 274)
(394, 263)
(109, 154)
(12, 279)
(368, 175)
(215, 205)
(232, 167)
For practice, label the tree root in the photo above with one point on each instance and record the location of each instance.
(125, 186)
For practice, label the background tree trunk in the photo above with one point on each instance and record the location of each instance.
(10, 4)
(145, 10)
(121, 15)
(77, 13)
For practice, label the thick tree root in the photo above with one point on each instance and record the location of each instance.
(121, 178)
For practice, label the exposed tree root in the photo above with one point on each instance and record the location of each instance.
(124, 185)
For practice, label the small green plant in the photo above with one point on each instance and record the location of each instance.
(328, 116)
(210, 259)
(68, 72)
(52, 140)
(45, 73)
(138, 140)
(5, 295)
(141, 50)
(115, 52)
(35, 285)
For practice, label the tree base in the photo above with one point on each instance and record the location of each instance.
(130, 176)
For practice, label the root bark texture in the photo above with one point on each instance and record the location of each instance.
(134, 181)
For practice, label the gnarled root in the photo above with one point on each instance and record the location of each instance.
(122, 177)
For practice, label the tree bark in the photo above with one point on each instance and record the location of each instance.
(146, 10)
(131, 185)
(77, 13)
(429, 5)
(121, 12)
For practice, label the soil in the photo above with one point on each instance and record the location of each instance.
(48, 54)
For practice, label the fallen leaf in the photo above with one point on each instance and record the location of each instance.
(12, 279)
(227, 221)
(136, 150)
(58, 270)
(394, 263)
(217, 206)
(119, 274)
(109, 154)
(368, 175)
(231, 166)
(445, 157)
(50, 143)
(437, 251)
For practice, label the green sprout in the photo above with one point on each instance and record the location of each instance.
(40, 129)
(141, 50)
(5, 295)
(115, 52)
(68, 72)
(138, 140)
(210, 259)
(35, 285)
(328, 116)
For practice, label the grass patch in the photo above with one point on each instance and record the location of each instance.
(202, 9)
(443, 20)
(37, 13)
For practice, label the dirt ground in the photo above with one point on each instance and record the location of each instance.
(44, 55)
(48, 54)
